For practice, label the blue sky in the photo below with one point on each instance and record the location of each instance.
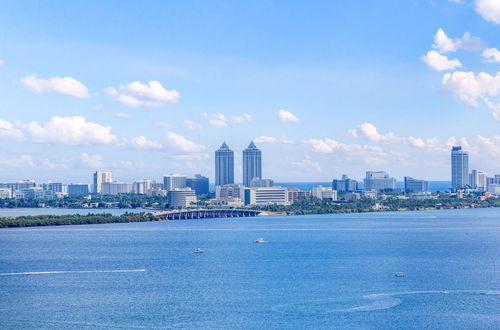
(323, 87)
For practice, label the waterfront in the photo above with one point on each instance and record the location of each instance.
(33, 211)
(318, 271)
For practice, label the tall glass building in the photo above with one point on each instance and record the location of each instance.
(224, 166)
(252, 164)
(459, 168)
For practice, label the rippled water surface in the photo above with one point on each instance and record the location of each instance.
(331, 271)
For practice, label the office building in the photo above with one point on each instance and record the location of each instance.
(230, 191)
(199, 184)
(261, 183)
(265, 196)
(459, 168)
(295, 194)
(478, 180)
(174, 181)
(5, 193)
(101, 177)
(78, 189)
(324, 193)
(345, 184)
(252, 164)
(379, 181)
(224, 166)
(415, 186)
(116, 188)
(181, 197)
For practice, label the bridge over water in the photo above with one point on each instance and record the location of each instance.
(211, 213)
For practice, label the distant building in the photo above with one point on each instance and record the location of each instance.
(199, 184)
(415, 186)
(265, 196)
(57, 187)
(224, 166)
(378, 181)
(142, 187)
(5, 193)
(116, 188)
(459, 168)
(252, 164)
(324, 193)
(262, 183)
(181, 197)
(478, 180)
(295, 194)
(101, 177)
(345, 184)
(230, 191)
(174, 181)
(19, 185)
(78, 189)
(36, 193)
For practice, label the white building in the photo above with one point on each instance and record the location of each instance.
(295, 194)
(142, 187)
(181, 197)
(115, 188)
(257, 182)
(174, 181)
(378, 181)
(230, 191)
(266, 195)
(5, 193)
(324, 193)
(478, 180)
(101, 177)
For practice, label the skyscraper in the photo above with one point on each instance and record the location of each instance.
(379, 181)
(101, 177)
(224, 165)
(252, 164)
(459, 168)
(173, 181)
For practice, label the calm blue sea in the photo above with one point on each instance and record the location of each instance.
(315, 272)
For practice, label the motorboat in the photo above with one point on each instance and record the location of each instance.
(197, 250)
(260, 240)
(399, 274)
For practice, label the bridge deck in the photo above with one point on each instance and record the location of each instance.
(210, 213)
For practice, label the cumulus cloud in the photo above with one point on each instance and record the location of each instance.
(93, 161)
(272, 139)
(17, 161)
(61, 85)
(189, 124)
(307, 163)
(141, 142)
(440, 62)
(220, 120)
(489, 10)
(123, 115)
(445, 44)
(286, 116)
(74, 130)
(370, 132)
(7, 129)
(491, 55)
(181, 143)
(137, 94)
(475, 89)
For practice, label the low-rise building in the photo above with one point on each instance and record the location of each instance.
(5, 193)
(295, 194)
(266, 196)
(115, 188)
(324, 193)
(181, 197)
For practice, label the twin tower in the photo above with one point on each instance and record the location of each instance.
(224, 165)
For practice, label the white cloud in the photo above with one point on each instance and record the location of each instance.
(123, 115)
(7, 129)
(181, 143)
(272, 139)
(370, 132)
(189, 124)
(142, 142)
(17, 161)
(74, 130)
(445, 44)
(92, 161)
(286, 116)
(137, 94)
(64, 85)
(491, 55)
(440, 62)
(307, 163)
(474, 89)
(489, 10)
(2, 62)
(220, 120)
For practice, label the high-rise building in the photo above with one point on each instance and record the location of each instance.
(142, 186)
(345, 184)
(478, 180)
(224, 165)
(379, 181)
(78, 189)
(174, 181)
(101, 177)
(116, 188)
(415, 186)
(199, 184)
(459, 168)
(252, 164)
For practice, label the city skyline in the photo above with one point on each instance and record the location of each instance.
(334, 94)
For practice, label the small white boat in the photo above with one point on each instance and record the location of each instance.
(197, 250)
(260, 240)
(399, 274)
